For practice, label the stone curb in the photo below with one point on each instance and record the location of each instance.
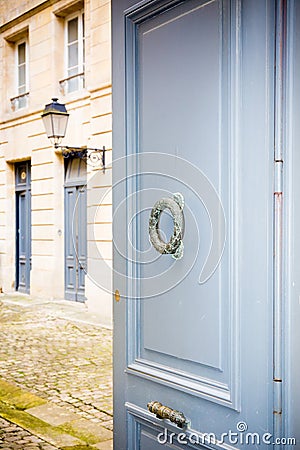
(54, 424)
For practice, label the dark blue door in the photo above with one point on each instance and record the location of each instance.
(23, 227)
(75, 231)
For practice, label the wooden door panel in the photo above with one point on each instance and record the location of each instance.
(75, 242)
(70, 244)
(194, 116)
(82, 240)
(178, 115)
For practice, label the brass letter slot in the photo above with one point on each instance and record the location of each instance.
(164, 412)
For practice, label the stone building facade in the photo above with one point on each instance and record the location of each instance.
(55, 212)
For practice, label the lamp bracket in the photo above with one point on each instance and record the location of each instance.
(92, 155)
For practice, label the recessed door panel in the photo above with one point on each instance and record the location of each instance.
(195, 136)
(82, 238)
(70, 244)
(174, 105)
(75, 242)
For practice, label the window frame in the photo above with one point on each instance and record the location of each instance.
(79, 15)
(18, 94)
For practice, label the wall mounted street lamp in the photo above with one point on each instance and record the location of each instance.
(55, 117)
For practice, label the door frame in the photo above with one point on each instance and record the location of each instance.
(288, 142)
(23, 187)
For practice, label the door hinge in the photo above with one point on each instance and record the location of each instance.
(277, 396)
(278, 177)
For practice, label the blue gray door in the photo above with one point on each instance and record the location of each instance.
(75, 230)
(23, 226)
(193, 101)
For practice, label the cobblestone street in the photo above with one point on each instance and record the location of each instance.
(58, 352)
(14, 437)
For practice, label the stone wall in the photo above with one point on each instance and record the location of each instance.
(22, 137)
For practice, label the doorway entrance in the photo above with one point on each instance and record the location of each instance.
(23, 226)
(75, 229)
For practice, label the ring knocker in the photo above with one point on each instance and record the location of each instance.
(175, 245)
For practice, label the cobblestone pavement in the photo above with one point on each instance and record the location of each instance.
(65, 361)
(13, 437)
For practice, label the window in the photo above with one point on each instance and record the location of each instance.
(22, 68)
(21, 98)
(75, 53)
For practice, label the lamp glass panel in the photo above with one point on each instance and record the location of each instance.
(59, 124)
(48, 125)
